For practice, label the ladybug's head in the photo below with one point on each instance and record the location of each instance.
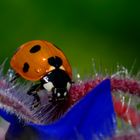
(58, 83)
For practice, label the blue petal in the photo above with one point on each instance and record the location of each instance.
(11, 118)
(92, 117)
(16, 126)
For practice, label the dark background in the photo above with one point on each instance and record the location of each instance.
(106, 30)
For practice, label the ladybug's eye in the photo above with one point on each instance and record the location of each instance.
(65, 93)
(58, 94)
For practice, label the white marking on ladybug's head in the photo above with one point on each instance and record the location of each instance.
(68, 86)
(46, 79)
(48, 86)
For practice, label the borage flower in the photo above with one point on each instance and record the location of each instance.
(87, 114)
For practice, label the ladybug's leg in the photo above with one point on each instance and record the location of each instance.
(33, 92)
(15, 78)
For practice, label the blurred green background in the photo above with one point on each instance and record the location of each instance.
(108, 31)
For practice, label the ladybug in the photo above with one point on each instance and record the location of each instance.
(40, 60)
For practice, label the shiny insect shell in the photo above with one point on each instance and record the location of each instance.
(41, 60)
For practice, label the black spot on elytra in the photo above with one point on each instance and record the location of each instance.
(35, 49)
(26, 67)
(55, 61)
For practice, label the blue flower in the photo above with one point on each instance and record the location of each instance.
(92, 117)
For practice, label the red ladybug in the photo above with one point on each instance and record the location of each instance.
(40, 60)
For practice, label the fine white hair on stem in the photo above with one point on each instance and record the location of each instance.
(13, 97)
(15, 100)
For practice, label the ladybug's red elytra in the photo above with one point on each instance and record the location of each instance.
(39, 60)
